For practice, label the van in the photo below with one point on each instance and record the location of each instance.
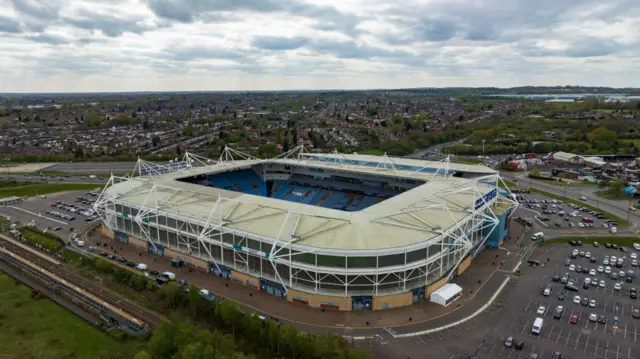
(537, 236)
(537, 326)
(141, 266)
(169, 275)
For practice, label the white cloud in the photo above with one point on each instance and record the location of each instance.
(146, 45)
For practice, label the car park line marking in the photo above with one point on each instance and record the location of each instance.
(617, 351)
(628, 353)
(558, 339)
(567, 342)
(635, 333)
(528, 304)
(597, 344)
(575, 347)
(525, 327)
(586, 344)
(551, 332)
(625, 331)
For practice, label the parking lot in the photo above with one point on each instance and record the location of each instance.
(556, 214)
(39, 210)
(599, 337)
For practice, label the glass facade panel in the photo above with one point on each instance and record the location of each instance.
(331, 261)
(361, 262)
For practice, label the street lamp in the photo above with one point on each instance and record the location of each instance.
(483, 141)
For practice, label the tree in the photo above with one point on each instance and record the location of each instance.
(616, 189)
(188, 131)
(142, 355)
(145, 125)
(535, 172)
(603, 134)
(178, 150)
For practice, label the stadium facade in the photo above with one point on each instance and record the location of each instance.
(335, 231)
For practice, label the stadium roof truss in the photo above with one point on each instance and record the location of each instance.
(229, 211)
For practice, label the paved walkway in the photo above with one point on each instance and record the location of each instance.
(479, 283)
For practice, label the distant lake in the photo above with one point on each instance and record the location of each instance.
(575, 96)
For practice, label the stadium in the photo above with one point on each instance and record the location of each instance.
(335, 231)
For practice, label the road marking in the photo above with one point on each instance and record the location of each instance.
(635, 333)
(38, 215)
(558, 339)
(617, 351)
(567, 342)
(577, 341)
(597, 344)
(528, 304)
(625, 331)
(525, 327)
(586, 344)
(628, 353)
(606, 350)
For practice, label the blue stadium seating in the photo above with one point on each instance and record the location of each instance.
(307, 190)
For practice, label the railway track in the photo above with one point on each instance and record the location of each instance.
(53, 265)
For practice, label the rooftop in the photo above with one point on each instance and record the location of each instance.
(409, 218)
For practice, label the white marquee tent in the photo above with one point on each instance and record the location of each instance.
(446, 294)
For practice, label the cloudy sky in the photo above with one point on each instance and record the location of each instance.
(149, 45)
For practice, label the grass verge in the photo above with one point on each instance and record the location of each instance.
(41, 329)
(565, 183)
(509, 184)
(611, 196)
(45, 188)
(621, 222)
(619, 240)
(51, 242)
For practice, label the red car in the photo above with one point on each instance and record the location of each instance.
(574, 319)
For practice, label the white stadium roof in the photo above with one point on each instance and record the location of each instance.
(412, 217)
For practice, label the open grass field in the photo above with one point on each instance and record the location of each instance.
(45, 188)
(34, 329)
(621, 222)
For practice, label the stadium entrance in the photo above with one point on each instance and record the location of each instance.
(361, 302)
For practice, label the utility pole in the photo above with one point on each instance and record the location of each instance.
(483, 141)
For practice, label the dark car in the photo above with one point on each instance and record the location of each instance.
(602, 319)
(111, 256)
(579, 243)
(562, 296)
(585, 270)
(556, 355)
(571, 288)
(557, 314)
(154, 272)
(131, 264)
(181, 282)
(593, 259)
(555, 278)
(519, 345)
(584, 301)
(573, 243)
(564, 279)
(614, 246)
(635, 314)
(120, 259)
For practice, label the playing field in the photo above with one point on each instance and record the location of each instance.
(33, 329)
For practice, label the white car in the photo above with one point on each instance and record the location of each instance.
(622, 274)
(592, 303)
(602, 284)
(614, 259)
(594, 281)
(600, 269)
(634, 263)
(636, 246)
(581, 225)
(607, 270)
(574, 252)
(587, 255)
(541, 310)
(572, 267)
(593, 317)
(592, 272)
(576, 299)
(587, 281)
(605, 262)
(617, 286)
(634, 256)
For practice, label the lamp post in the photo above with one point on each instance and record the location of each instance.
(483, 141)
